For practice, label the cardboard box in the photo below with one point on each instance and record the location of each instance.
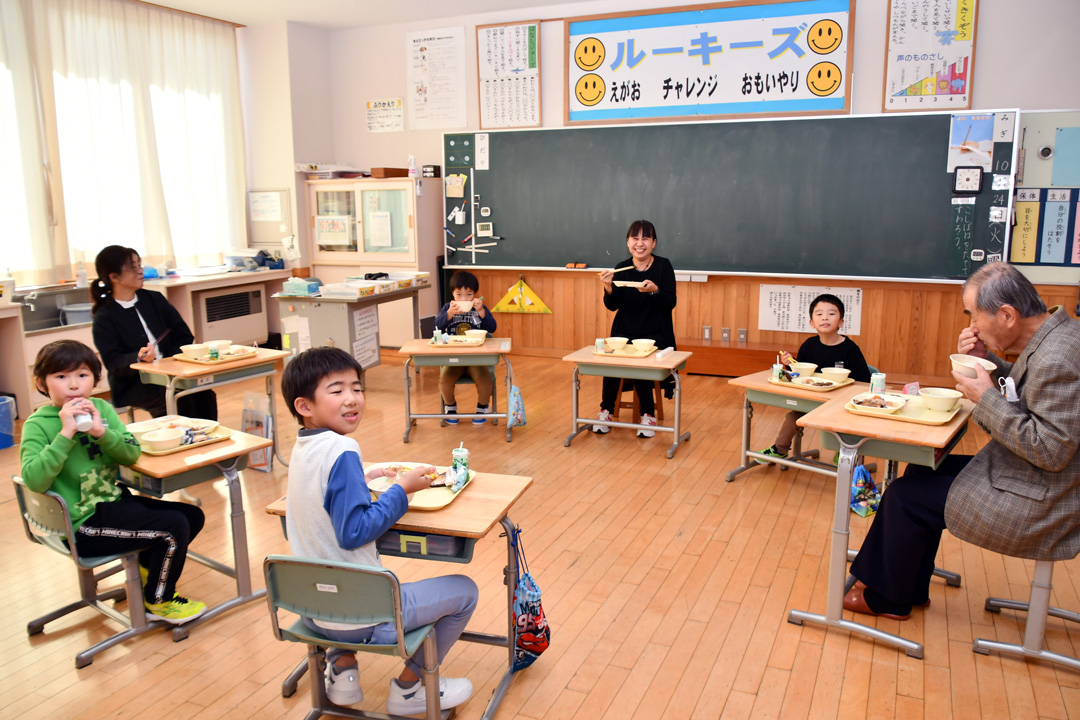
(389, 172)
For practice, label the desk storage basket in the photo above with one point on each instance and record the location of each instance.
(425, 545)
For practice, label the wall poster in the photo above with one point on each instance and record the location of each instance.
(508, 69)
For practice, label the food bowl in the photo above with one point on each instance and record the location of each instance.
(461, 306)
(476, 334)
(162, 439)
(804, 369)
(879, 402)
(965, 364)
(195, 351)
(643, 343)
(835, 373)
(939, 399)
(138, 429)
(616, 343)
(219, 344)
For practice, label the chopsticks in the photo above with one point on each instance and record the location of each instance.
(160, 338)
(619, 270)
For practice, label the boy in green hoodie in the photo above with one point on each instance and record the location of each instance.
(81, 468)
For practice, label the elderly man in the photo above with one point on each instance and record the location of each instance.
(1020, 495)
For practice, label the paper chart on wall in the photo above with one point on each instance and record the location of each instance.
(508, 64)
(365, 347)
(786, 308)
(435, 60)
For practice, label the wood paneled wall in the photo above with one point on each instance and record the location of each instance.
(907, 328)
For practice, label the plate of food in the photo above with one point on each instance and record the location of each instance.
(814, 383)
(628, 283)
(436, 496)
(186, 423)
(877, 403)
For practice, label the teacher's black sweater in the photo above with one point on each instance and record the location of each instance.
(641, 315)
(119, 336)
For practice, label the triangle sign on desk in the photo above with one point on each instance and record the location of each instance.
(521, 299)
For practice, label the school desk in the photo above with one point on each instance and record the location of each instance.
(182, 378)
(786, 396)
(481, 505)
(854, 435)
(423, 353)
(586, 362)
(159, 475)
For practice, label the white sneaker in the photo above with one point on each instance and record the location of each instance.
(413, 700)
(343, 685)
(604, 416)
(647, 419)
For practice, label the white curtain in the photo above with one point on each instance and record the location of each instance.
(147, 109)
(25, 232)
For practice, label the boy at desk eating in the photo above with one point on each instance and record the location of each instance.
(330, 515)
(465, 312)
(80, 467)
(827, 349)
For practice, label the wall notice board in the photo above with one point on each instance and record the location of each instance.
(867, 196)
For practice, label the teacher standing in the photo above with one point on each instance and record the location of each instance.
(126, 321)
(643, 311)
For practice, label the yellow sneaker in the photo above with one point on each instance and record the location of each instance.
(177, 611)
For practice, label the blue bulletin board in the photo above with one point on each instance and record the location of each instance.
(741, 59)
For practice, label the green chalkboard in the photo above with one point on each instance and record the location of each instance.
(852, 196)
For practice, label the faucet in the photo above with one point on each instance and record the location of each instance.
(28, 301)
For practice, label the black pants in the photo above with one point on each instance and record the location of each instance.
(201, 405)
(643, 388)
(164, 528)
(896, 560)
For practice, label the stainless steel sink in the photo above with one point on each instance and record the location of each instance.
(41, 306)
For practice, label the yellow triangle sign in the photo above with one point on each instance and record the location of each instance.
(521, 299)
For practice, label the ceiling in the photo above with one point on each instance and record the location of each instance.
(338, 14)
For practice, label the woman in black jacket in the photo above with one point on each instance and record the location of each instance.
(127, 319)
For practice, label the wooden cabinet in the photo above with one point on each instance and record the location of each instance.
(378, 225)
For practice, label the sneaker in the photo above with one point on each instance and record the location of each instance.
(480, 409)
(771, 451)
(413, 700)
(604, 416)
(647, 419)
(343, 684)
(177, 611)
(450, 410)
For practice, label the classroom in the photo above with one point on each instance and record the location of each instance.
(685, 571)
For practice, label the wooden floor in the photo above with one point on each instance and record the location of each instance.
(666, 587)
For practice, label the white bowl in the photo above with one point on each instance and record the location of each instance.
(194, 351)
(219, 344)
(139, 429)
(643, 343)
(616, 343)
(892, 402)
(163, 439)
(476, 333)
(965, 364)
(804, 369)
(940, 399)
(835, 373)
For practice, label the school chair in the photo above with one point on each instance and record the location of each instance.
(47, 522)
(345, 593)
(634, 405)
(128, 410)
(1038, 608)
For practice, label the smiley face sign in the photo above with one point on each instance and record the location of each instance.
(824, 36)
(589, 54)
(824, 79)
(589, 89)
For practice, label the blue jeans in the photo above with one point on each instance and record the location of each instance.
(447, 601)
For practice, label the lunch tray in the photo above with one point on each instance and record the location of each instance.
(629, 351)
(429, 498)
(811, 388)
(220, 361)
(914, 411)
(216, 435)
(464, 341)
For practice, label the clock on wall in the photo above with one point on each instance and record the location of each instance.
(967, 179)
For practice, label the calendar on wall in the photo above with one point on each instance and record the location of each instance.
(508, 66)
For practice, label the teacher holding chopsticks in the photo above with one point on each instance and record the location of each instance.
(643, 298)
(131, 324)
